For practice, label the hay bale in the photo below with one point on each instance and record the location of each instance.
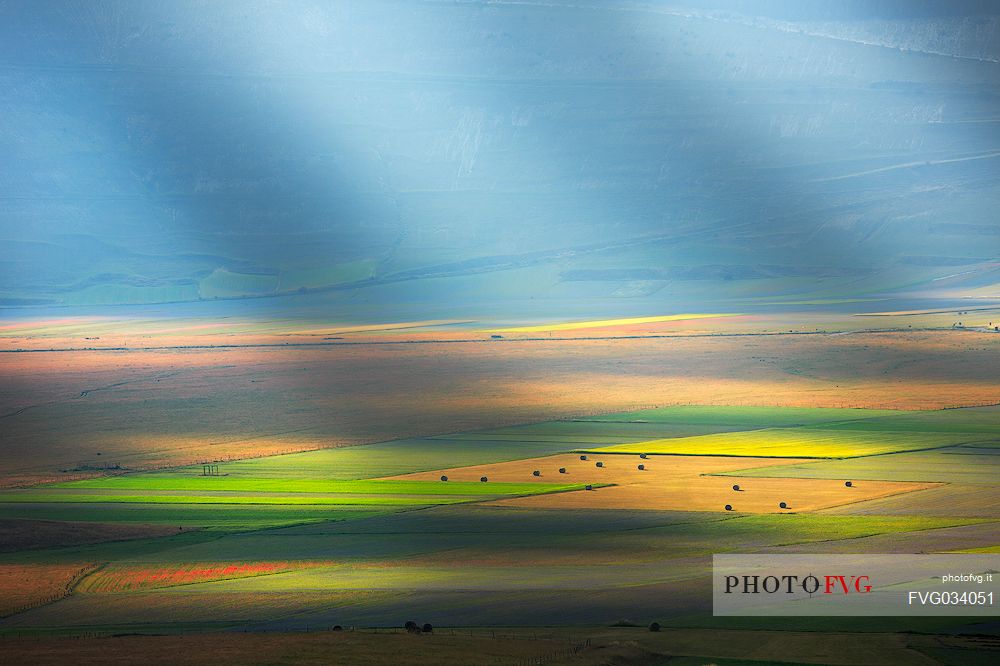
(736, 488)
(848, 483)
(412, 627)
(337, 627)
(729, 507)
(600, 464)
(589, 488)
(483, 479)
(642, 455)
(642, 467)
(562, 470)
(536, 473)
(654, 626)
(782, 505)
(583, 457)
(444, 478)
(428, 628)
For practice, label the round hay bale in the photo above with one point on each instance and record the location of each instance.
(600, 464)
(444, 478)
(536, 473)
(337, 627)
(736, 487)
(848, 483)
(411, 626)
(589, 488)
(562, 470)
(642, 467)
(729, 507)
(782, 505)
(483, 479)
(642, 455)
(655, 626)
(428, 628)
(583, 457)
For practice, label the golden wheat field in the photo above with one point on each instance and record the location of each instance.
(670, 483)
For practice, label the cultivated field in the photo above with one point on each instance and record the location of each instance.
(795, 443)
(371, 535)
(129, 578)
(26, 586)
(672, 483)
(183, 397)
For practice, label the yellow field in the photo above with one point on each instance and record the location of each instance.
(604, 323)
(671, 483)
(790, 442)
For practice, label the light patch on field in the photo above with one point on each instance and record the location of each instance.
(671, 483)
(604, 323)
(24, 586)
(792, 443)
(130, 577)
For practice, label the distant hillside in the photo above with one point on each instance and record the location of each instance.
(447, 152)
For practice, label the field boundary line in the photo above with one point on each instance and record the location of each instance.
(65, 593)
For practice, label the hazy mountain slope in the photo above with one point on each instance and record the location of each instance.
(505, 151)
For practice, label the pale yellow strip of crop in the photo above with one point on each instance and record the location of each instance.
(601, 323)
(791, 442)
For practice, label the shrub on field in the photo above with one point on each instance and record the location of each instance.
(655, 626)
(428, 628)
(412, 627)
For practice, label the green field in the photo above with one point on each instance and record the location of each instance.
(368, 551)
(389, 458)
(195, 483)
(978, 420)
(240, 502)
(228, 517)
(345, 499)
